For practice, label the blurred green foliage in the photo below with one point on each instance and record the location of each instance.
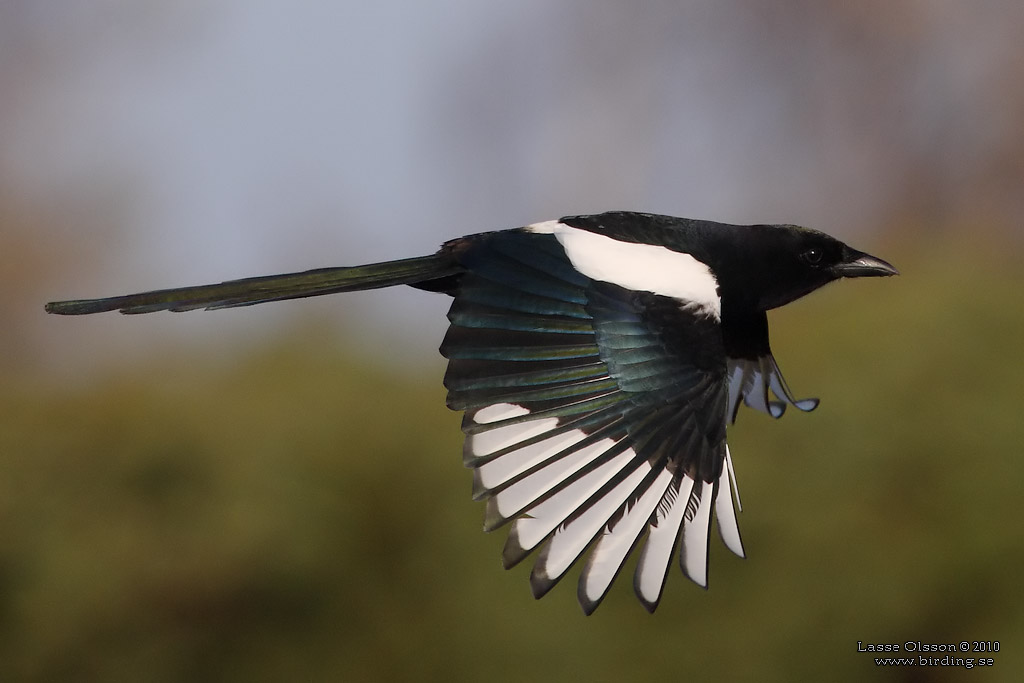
(303, 514)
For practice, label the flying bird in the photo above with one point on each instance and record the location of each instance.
(597, 360)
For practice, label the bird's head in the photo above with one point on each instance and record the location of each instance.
(795, 261)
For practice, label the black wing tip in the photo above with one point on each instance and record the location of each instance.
(479, 490)
(649, 605)
(541, 583)
(700, 584)
(493, 519)
(513, 553)
(587, 605)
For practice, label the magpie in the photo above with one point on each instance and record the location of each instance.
(597, 360)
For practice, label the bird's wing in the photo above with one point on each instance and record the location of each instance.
(593, 414)
(753, 372)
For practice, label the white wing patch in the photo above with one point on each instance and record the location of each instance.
(639, 267)
(569, 540)
(614, 544)
(697, 520)
(656, 556)
(512, 500)
(541, 519)
(725, 513)
(554, 485)
(494, 440)
(498, 412)
(496, 472)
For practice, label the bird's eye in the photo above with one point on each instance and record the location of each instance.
(812, 256)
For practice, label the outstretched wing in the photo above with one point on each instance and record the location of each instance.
(593, 413)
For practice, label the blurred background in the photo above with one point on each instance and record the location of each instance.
(276, 492)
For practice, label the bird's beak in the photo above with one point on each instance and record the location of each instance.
(859, 264)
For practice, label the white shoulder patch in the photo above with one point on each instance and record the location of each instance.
(640, 267)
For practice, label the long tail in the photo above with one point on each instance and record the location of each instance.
(257, 290)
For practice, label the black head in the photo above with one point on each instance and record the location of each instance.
(792, 261)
